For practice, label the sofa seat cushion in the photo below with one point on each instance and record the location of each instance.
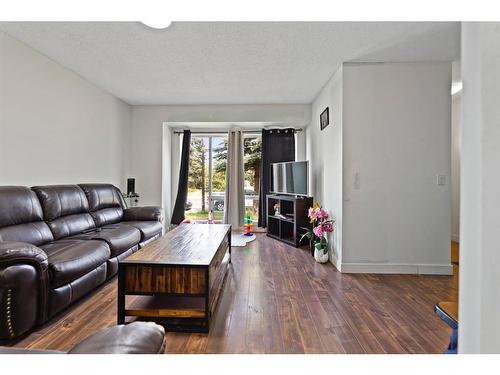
(148, 229)
(119, 238)
(71, 259)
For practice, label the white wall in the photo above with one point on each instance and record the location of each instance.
(324, 152)
(456, 141)
(479, 298)
(145, 158)
(397, 138)
(390, 126)
(166, 173)
(301, 145)
(55, 127)
(456, 146)
(175, 162)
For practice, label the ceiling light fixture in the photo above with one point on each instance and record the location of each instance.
(157, 24)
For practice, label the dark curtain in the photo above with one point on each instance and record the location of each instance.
(278, 145)
(180, 201)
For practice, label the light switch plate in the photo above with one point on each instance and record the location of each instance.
(441, 179)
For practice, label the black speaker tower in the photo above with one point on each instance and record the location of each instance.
(130, 186)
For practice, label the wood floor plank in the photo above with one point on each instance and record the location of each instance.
(273, 340)
(292, 340)
(277, 299)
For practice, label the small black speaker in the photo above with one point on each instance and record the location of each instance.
(130, 186)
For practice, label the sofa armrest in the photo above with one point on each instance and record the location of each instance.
(12, 252)
(143, 214)
(23, 288)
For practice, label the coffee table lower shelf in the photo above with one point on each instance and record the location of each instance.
(176, 313)
(166, 307)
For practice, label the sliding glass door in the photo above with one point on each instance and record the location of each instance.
(218, 175)
(252, 145)
(207, 177)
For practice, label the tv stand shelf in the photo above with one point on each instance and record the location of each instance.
(287, 227)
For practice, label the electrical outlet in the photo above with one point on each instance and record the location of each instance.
(357, 181)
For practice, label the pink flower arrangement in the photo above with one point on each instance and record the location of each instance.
(318, 231)
(323, 228)
(322, 225)
(317, 214)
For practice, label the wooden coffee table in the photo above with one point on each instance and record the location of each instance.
(177, 279)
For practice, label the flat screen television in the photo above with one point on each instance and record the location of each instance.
(289, 178)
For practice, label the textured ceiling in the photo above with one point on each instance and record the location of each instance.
(228, 62)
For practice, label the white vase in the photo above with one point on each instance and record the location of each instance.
(319, 254)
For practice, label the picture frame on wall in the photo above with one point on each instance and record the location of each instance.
(324, 118)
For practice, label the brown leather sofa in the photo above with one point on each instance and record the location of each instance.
(59, 242)
(133, 338)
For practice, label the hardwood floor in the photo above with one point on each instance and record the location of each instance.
(278, 300)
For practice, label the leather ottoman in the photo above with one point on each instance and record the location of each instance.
(133, 338)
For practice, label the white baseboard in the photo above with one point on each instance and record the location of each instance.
(336, 263)
(414, 269)
(435, 269)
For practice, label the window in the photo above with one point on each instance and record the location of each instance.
(207, 177)
(252, 145)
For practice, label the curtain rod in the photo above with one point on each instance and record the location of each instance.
(223, 131)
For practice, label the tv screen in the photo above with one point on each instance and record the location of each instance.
(289, 178)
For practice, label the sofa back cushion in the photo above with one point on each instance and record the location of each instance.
(21, 216)
(106, 203)
(65, 209)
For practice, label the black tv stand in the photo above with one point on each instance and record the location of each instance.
(287, 227)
